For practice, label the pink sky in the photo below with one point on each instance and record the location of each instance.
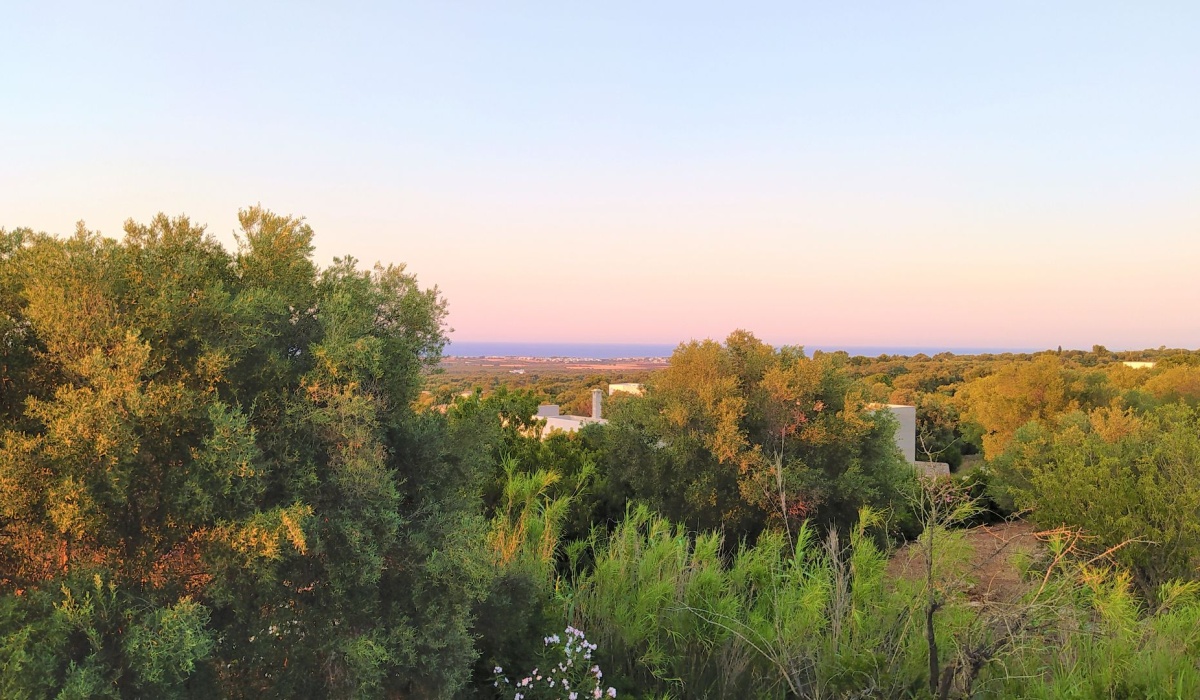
(817, 270)
(1007, 175)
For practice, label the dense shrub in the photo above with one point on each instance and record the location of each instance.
(1128, 479)
(225, 442)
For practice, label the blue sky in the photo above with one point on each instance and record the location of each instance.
(1013, 174)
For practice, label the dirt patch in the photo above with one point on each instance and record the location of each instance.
(990, 571)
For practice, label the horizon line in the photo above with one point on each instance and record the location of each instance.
(866, 349)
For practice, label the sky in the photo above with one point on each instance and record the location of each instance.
(1007, 174)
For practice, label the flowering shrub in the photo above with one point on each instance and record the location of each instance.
(566, 671)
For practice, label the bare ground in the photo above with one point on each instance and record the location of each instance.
(991, 571)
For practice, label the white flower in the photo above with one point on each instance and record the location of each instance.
(612, 692)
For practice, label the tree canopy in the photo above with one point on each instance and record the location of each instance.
(209, 461)
(740, 435)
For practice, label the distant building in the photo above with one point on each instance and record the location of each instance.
(906, 439)
(906, 432)
(1139, 365)
(627, 387)
(568, 423)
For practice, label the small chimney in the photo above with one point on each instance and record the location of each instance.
(597, 398)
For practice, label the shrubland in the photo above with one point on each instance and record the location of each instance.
(219, 477)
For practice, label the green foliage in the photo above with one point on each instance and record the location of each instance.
(1017, 393)
(1128, 480)
(978, 485)
(91, 640)
(164, 648)
(672, 616)
(502, 423)
(524, 540)
(939, 436)
(1092, 639)
(227, 442)
(741, 435)
(1177, 383)
(213, 482)
(527, 526)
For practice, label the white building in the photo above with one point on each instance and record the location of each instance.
(1139, 365)
(567, 423)
(906, 438)
(906, 432)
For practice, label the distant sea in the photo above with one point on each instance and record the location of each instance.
(608, 351)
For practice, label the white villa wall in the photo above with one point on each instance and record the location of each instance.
(567, 423)
(906, 432)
